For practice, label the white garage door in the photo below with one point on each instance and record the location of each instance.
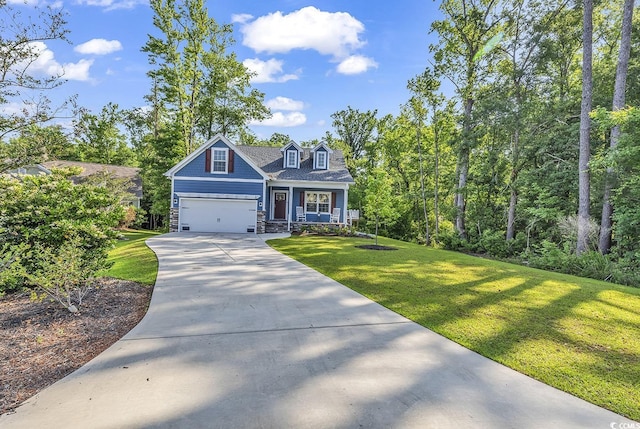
(209, 215)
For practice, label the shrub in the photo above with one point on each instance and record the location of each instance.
(65, 274)
(11, 270)
(46, 211)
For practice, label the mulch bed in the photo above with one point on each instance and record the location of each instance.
(376, 247)
(41, 342)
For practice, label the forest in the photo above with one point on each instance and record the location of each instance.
(519, 141)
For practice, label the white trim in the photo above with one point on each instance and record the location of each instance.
(290, 208)
(346, 204)
(291, 142)
(316, 160)
(317, 202)
(225, 150)
(218, 137)
(324, 145)
(217, 179)
(309, 184)
(272, 209)
(296, 158)
(192, 195)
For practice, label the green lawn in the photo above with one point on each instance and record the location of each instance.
(133, 260)
(579, 335)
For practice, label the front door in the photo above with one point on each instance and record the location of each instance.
(280, 207)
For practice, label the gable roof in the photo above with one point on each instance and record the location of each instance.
(193, 155)
(291, 143)
(91, 168)
(269, 160)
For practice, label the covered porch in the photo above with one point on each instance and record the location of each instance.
(290, 206)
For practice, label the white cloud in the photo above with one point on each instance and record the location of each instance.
(284, 103)
(267, 71)
(335, 34)
(47, 65)
(98, 47)
(356, 64)
(241, 18)
(114, 4)
(279, 119)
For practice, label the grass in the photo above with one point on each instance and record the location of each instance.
(133, 260)
(579, 335)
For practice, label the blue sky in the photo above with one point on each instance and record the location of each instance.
(312, 58)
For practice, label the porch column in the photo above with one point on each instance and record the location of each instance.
(290, 203)
(346, 202)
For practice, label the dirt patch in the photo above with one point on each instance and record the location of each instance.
(43, 342)
(376, 247)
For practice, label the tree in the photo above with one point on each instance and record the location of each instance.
(100, 139)
(467, 27)
(585, 129)
(21, 42)
(604, 242)
(203, 88)
(356, 130)
(379, 203)
(36, 144)
(228, 103)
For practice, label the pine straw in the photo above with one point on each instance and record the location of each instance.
(41, 342)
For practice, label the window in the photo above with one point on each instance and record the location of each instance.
(321, 160)
(219, 161)
(292, 156)
(317, 202)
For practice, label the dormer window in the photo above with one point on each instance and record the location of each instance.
(292, 158)
(321, 160)
(291, 155)
(321, 156)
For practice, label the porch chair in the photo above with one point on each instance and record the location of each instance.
(353, 215)
(335, 216)
(300, 216)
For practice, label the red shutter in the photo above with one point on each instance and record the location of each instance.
(333, 201)
(302, 198)
(231, 157)
(207, 161)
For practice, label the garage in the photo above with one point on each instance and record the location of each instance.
(217, 215)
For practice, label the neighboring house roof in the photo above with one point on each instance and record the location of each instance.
(91, 168)
(269, 159)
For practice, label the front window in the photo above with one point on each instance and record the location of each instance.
(219, 161)
(321, 160)
(317, 202)
(291, 158)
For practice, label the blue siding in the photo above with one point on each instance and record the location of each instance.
(241, 170)
(211, 187)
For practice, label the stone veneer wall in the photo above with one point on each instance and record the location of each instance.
(173, 219)
(260, 223)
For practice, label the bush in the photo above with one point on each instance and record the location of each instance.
(12, 272)
(65, 274)
(46, 211)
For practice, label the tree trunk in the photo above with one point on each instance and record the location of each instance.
(463, 170)
(427, 239)
(585, 128)
(436, 209)
(513, 199)
(604, 243)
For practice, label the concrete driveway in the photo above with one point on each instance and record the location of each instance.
(240, 336)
